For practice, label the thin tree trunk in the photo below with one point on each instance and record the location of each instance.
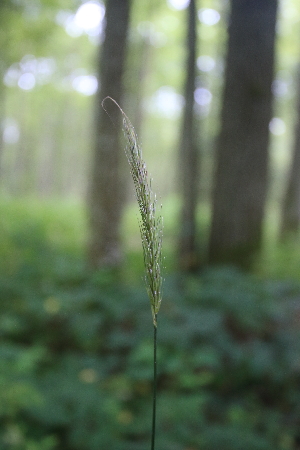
(188, 156)
(290, 218)
(106, 197)
(242, 150)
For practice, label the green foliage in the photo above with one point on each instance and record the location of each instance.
(76, 352)
(280, 260)
(26, 27)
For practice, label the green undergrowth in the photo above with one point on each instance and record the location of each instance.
(76, 349)
(280, 261)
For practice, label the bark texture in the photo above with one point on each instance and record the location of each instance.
(241, 176)
(106, 196)
(188, 155)
(290, 218)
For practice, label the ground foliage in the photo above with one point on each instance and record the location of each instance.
(76, 356)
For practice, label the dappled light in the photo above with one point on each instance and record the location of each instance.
(209, 16)
(206, 63)
(26, 81)
(166, 102)
(203, 96)
(85, 84)
(281, 88)
(277, 126)
(29, 71)
(11, 131)
(178, 4)
(87, 19)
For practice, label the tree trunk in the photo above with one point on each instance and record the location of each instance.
(290, 219)
(188, 156)
(106, 197)
(242, 150)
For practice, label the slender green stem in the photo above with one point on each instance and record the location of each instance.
(154, 384)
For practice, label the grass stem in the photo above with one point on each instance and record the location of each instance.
(154, 385)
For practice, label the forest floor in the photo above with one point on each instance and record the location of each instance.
(76, 349)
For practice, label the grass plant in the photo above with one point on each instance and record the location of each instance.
(151, 229)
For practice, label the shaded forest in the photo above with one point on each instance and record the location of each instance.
(189, 84)
(212, 90)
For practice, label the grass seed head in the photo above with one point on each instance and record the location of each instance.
(151, 224)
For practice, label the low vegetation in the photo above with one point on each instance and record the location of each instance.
(76, 349)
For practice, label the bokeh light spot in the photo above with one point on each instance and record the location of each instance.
(205, 63)
(178, 4)
(85, 84)
(166, 102)
(202, 96)
(11, 131)
(26, 81)
(277, 126)
(89, 15)
(209, 16)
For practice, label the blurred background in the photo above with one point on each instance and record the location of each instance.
(212, 88)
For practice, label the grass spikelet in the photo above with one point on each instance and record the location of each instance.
(151, 225)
